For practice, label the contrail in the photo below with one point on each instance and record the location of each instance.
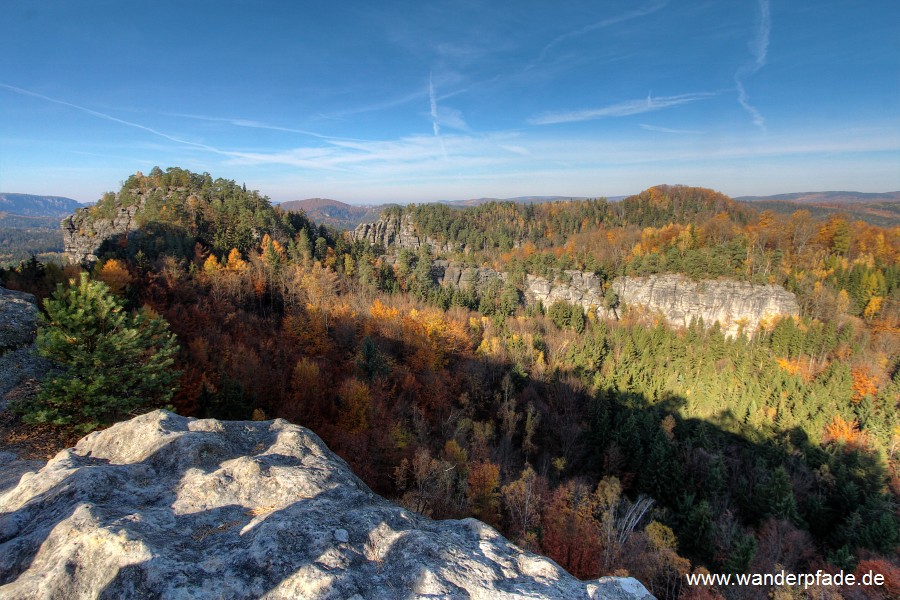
(434, 114)
(759, 49)
(101, 115)
(601, 24)
(622, 109)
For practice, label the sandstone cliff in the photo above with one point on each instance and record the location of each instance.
(463, 277)
(735, 305)
(392, 231)
(84, 233)
(164, 506)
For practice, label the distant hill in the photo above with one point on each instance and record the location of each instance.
(333, 213)
(882, 209)
(29, 205)
(517, 200)
(827, 198)
(29, 225)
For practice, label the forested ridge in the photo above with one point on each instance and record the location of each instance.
(609, 446)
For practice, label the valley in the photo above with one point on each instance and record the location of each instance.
(544, 367)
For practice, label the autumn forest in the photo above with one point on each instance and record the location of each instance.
(611, 446)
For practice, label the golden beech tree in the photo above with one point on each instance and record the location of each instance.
(845, 432)
(484, 497)
(114, 273)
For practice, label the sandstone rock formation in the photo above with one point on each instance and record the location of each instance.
(735, 305)
(164, 506)
(390, 231)
(462, 276)
(581, 289)
(83, 233)
(18, 326)
(18, 319)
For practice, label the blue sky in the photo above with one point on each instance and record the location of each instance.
(418, 101)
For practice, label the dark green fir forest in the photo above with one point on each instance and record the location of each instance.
(611, 446)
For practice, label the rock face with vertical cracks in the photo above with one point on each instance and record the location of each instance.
(164, 506)
(83, 233)
(392, 231)
(735, 305)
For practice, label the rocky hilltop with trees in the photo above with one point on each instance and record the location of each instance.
(459, 376)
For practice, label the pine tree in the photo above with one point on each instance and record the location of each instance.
(113, 363)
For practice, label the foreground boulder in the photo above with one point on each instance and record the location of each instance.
(164, 506)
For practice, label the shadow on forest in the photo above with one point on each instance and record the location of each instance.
(233, 550)
(700, 472)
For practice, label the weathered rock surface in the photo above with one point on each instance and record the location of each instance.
(19, 362)
(582, 289)
(677, 298)
(462, 276)
(168, 507)
(18, 319)
(733, 304)
(83, 233)
(390, 231)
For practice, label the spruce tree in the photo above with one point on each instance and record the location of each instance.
(113, 363)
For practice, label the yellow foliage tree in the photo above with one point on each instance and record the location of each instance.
(115, 274)
(235, 262)
(211, 265)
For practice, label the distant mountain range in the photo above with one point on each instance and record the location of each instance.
(333, 213)
(882, 209)
(826, 198)
(29, 205)
(517, 200)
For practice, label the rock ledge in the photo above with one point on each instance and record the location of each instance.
(164, 506)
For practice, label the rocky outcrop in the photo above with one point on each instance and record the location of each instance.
(579, 288)
(392, 231)
(19, 364)
(84, 233)
(164, 506)
(463, 277)
(735, 305)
